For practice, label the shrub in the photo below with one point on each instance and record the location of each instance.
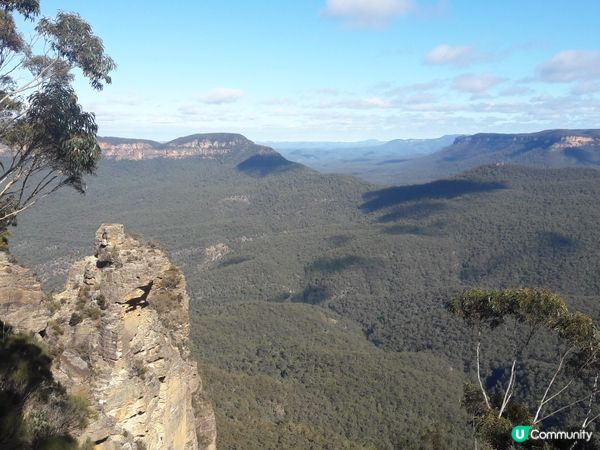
(56, 327)
(36, 411)
(101, 302)
(75, 319)
(52, 304)
(83, 296)
(171, 278)
(4, 235)
(92, 312)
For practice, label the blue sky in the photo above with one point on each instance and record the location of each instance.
(344, 69)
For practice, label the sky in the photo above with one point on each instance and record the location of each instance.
(343, 70)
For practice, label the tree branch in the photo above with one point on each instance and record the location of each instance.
(36, 81)
(509, 388)
(589, 411)
(30, 204)
(485, 397)
(566, 407)
(543, 401)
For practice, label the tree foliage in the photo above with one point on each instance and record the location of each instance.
(529, 312)
(35, 410)
(46, 140)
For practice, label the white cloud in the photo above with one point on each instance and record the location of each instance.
(516, 91)
(571, 65)
(585, 87)
(476, 83)
(357, 104)
(373, 13)
(219, 96)
(328, 91)
(451, 55)
(375, 102)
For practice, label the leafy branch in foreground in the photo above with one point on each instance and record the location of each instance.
(46, 140)
(528, 313)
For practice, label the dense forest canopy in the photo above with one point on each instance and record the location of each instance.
(263, 253)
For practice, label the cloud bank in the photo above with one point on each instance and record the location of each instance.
(219, 96)
(476, 83)
(370, 13)
(571, 65)
(445, 54)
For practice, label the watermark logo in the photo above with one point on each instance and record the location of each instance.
(520, 433)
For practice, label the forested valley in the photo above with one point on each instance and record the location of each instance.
(319, 301)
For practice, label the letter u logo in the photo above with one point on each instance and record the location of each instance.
(520, 433)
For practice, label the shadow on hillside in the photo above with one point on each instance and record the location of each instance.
(329, 268)
(442, 189)
(392, 161)
(356, 160)
(313, 295)
(263, 165)
(406, 229)
(581, 156)
(556, 242)
(339, 240)
(234, 261)
(414, 211)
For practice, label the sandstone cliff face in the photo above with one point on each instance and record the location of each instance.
(21, 297)
(200, 145)
(119, 335)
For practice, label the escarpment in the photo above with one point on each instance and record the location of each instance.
(118, 334)
(209, 145)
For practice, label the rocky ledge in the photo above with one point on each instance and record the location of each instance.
(119, 337)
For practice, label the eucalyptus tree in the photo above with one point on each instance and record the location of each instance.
(524, 314)
(47, 141)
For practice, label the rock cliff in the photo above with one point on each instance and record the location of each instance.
(22, 302)
(119, 336)
(209, 145)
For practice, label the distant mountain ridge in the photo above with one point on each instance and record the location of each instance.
(549, 149)
(374, 161)
(530, 146)
(207, 145)
(309, 145)
(400, 161)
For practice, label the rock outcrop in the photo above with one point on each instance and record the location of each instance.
(209, 145)
(22, 302)
(119, 337)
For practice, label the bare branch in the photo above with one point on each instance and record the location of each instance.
(30, 204)
(543, 401)
(36, 81)
(509, 388)
(567, 406)
(485, 397)
(589, 411)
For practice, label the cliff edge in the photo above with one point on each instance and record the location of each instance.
(118, 334)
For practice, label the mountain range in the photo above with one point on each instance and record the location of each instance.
(401, 161)
(550, 148)
(317, 300)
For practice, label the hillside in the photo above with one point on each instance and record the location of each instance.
(551, 148)
(291, 248)
(306, 378)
